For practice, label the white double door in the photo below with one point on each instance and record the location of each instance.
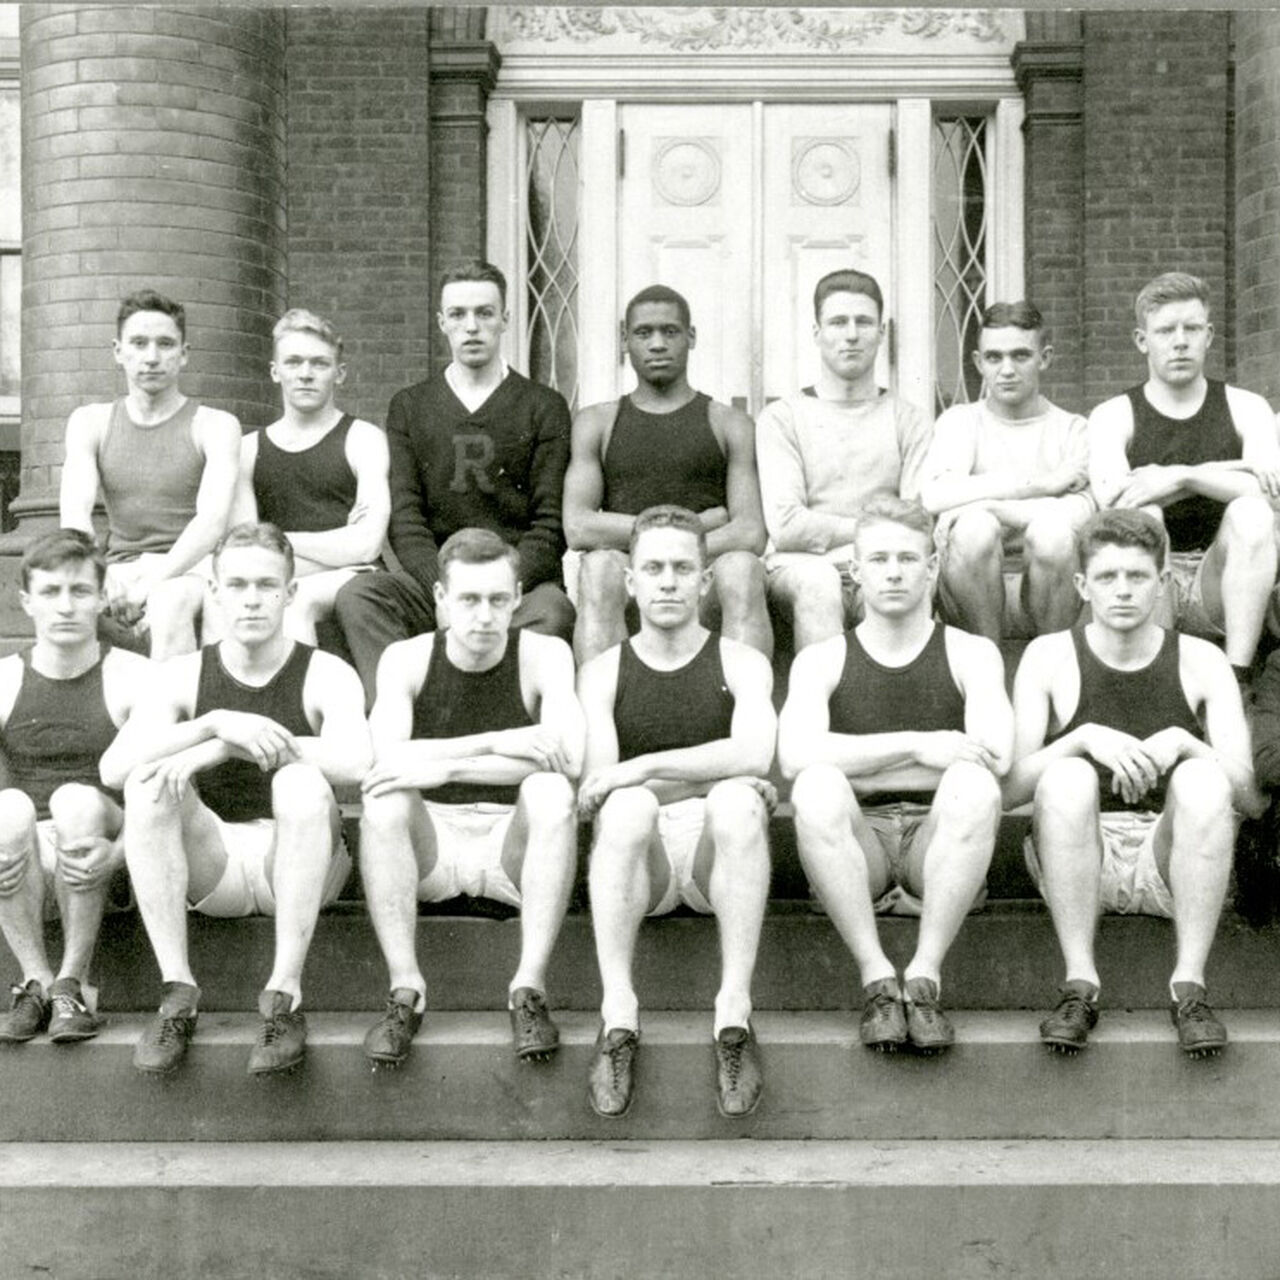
(743, 208)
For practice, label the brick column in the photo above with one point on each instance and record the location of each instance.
(1257, 202)
(1049, 65)
(153, 153)
(464, 69)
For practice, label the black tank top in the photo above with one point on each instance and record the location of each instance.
(237, 790)
(453, 703)
(664, 710)
(921, 697)
(1138, 702)
(663, 457)
(56, 732)
(1209, 435)
(310, 491)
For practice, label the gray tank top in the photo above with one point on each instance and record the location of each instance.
(150, 476)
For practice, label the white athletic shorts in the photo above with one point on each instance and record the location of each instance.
(469, 843)
(1131, 882)
(679, 831)
(244, 889)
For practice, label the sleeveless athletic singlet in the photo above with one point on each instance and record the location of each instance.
(150, 476)
(921, 697)
(453, 703)
(1139, 702)
(1207, 436)
(57, 732)
(665, 710)
(237, 790)
(663, 457)
(311, 490)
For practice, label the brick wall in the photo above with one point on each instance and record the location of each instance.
(153, 154)
(360, 218)
(1156, 125)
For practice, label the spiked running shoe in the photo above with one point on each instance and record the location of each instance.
(534, 1035)
(390, 1039)
(928, 1028)
(739, 1079)
(883, 1026)
(1066, 1029)
(28, 1014)
(611, 1079)
(282, 1039)
(164, 1042)
(72, 1019)
(1200, 1033)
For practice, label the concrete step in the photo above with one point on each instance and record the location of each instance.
(1005, 957)
(897, 1211)
(461, 1081)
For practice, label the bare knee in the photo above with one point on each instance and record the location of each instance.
(627, 819)
(1200, 793)
(968, 800)
(300, 792)
(735, 813)
(1067, 795)
(1249, 521)
(144, 799)
(975, 536)
(77, 807)
(739, 581)
(385, 816)
(17, 817)
(601, 584)
(821, 798)
(1050, 543)
(548, 796)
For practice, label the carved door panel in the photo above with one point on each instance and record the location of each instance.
(827, 205)
(685, 220)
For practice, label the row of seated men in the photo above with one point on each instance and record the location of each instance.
(1010, 477)
(210, 777)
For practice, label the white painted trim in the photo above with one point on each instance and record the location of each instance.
(505, 242)
(864, 77)
(755, 387)
(1005, 159)
(598, 348)
(912, 310)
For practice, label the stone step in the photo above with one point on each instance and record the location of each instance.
(461, 1081)
(752, 1210)
(1006, 957)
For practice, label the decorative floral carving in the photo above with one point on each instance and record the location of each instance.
(700, 30)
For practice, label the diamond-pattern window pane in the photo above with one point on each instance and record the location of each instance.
(551, 339)
(959, 255)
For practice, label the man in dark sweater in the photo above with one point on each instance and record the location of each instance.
(478, 445)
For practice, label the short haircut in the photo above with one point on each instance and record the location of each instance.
(1120, 528)
(1015, 315)
(475, 270)
(52, 550)
(1172, 286)
(299, 320)
(150, 300)
(477, 546)
(659, 293)
(847, 281)
(668, 516)
(256, 533)
(888, 508)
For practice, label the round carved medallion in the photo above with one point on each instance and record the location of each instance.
(686, 171)
(825, 171)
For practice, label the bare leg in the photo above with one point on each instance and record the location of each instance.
(809, 590)
(1193, 846)
(947, 866)
(1238, 574)
(307, 831)
(602, 603)
(1069, 849)
(397, 850)
(539, 856)
(738, 584)
(731, 867)
(79, 813)
(972, 573)
(1052, 599)
(22, 908)
(621, 893)
(172, 609)
(844, 863)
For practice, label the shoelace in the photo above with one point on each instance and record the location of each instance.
(170, 1030)
(68, 1006)
(617, 1052)
(1073, 1006)
(732, 1052)
(1193, 1009)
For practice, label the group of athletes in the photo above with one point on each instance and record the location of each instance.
(897, 554)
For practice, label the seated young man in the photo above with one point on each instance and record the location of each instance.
(61, 702)
(895, 734)
(228, 768)
(317, 473)
(1132, 742)
(477, 736)
(1007, 478)
(680, 737)
(165, 466)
